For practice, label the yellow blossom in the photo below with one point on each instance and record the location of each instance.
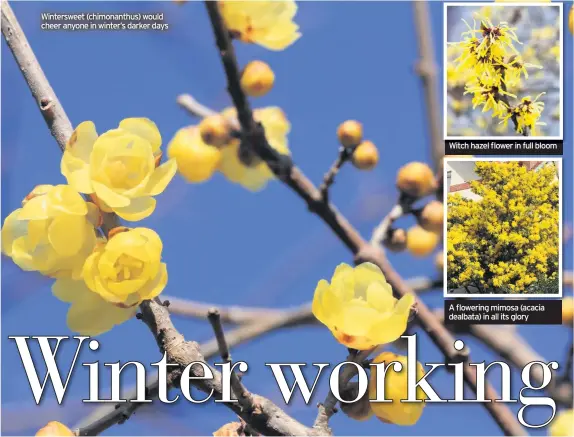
(249, 171)
(267, 23)
(396, 383)
(118, 167)
(53, 233)
(118, 276)
(358, 307)
(563, 424)
(196, 161)
(55, 429)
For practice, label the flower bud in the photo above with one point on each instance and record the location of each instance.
(350, 133)
(215, 130)
(420, 242)
(567, 310)
(416, 179)
(365, 156)
(431, 218)
(571, 20)
(55, 429)
(396, 384)
(396, 240)
(360, 409)
(257, 79)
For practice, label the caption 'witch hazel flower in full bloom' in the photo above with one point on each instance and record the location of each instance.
(359, 309)
(119, 275)
(118, 168)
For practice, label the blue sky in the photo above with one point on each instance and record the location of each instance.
(223, 244)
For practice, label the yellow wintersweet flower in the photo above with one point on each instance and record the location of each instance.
(53, 233)
(267, 23)
(55, 429)
(196, 161)
(563, 424)
(397, 412)
(358, 307)
(251, 172)
(118, 276)
(118, 167)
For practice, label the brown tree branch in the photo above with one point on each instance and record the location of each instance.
(283, 168)
(427, 70)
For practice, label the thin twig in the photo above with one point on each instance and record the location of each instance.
(254, 134)
(242, 394)
(345, 154)
(381, 231)
(427, 70)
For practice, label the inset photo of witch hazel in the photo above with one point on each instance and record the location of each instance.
(503, 71)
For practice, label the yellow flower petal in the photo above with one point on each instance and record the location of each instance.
(155, 287)
(64, 199)
(138, 209)
(77, 173)
(161, 177)
(317, 306)
(11, 230)
(110, 197)
(66, 234)
(144, 128)
(93, 316)
(380, 296)
(55, 429)
(36, 208)
(82, 141)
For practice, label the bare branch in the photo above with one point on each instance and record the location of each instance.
(345, 154)
(243, 396)
(427, 70)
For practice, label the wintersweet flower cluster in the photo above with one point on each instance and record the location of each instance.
(198, 161)
(56, 232)
(490, 66)
(361, 312)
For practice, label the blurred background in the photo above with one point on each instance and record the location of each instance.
(223, 244)
(538, 30)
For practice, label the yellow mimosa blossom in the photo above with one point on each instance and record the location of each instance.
(397, 412)
(358, 307)
(117, 276)
(55, 429)
(563, 424)
(118, 168)
(53, 233)
(267, 23)
(251, 172)
(196, 161)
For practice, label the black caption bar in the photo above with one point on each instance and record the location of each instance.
(502, 312)
(477, 146)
